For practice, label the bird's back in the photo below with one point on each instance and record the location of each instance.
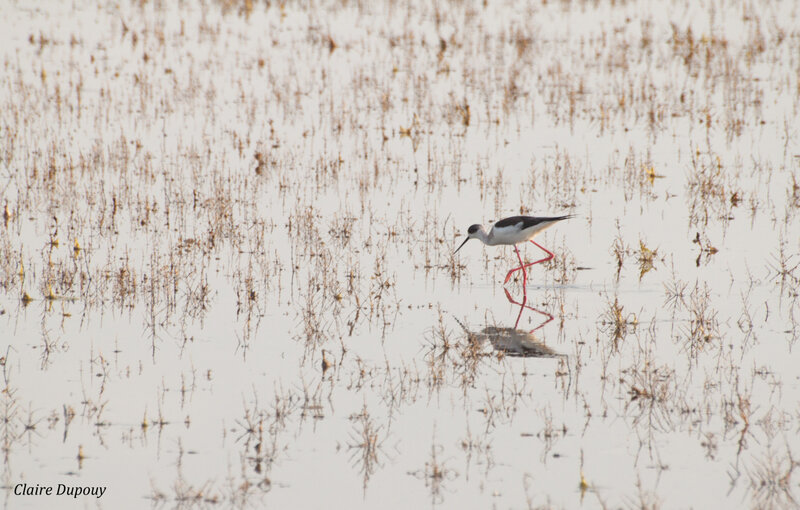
(516, 229)
(529, 221)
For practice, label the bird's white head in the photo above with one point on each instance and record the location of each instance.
(473, 232)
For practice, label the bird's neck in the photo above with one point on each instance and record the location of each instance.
(487, 239)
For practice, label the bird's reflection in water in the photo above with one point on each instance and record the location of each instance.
(513, 341)
(523, 306)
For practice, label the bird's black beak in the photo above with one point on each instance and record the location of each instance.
(462, 244)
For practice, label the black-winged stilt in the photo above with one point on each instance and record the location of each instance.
(512, 231)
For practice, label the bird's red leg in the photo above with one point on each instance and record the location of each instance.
(524, 305)
(524, 277)
(522, 266)
(549, 256)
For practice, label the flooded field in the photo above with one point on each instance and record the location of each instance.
(227, 269)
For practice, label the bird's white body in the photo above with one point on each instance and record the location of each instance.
(510, 234)
(513, 230)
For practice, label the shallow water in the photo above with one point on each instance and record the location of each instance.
(227, 273)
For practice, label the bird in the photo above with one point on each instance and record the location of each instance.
(512, 231)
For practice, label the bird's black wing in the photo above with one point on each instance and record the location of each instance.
(528, 221)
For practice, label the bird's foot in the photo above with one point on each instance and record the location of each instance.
(508, 276)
